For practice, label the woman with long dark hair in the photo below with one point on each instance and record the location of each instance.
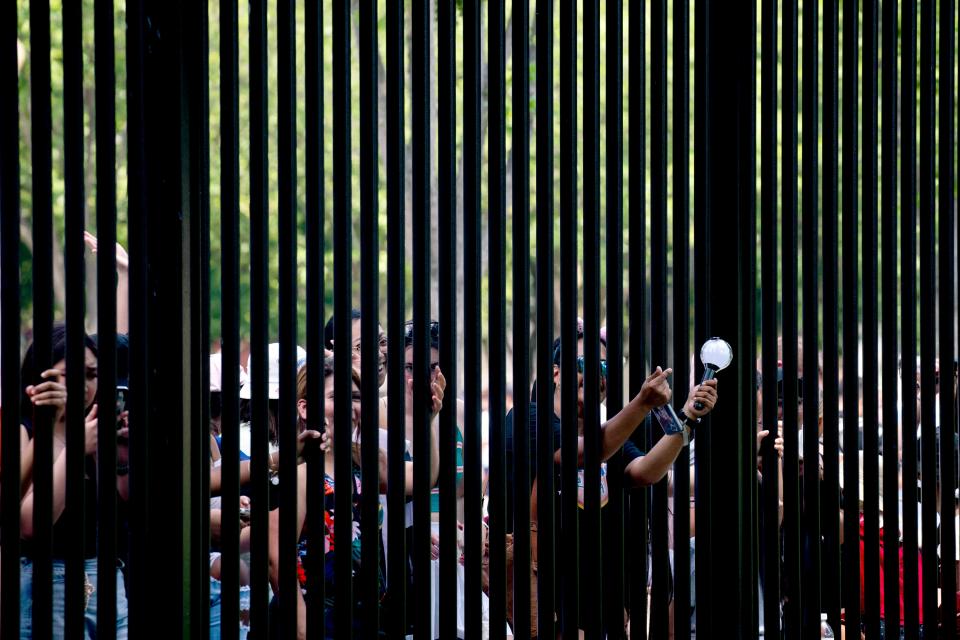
(46, 389)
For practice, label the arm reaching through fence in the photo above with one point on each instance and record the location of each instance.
(652, 467)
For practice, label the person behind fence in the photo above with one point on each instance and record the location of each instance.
(45, 387)
(435, 374)
(790, 518)
(639, 469)
(436, 379)
(328, 447)
(217, 513)
(304, 564)
(355, 316)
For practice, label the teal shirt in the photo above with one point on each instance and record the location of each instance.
(435, 493)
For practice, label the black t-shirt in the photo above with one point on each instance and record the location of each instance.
(630, 453)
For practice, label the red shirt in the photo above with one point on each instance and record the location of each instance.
(900, 551)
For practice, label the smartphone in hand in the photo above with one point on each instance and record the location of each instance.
(123, 404)
(123, 398)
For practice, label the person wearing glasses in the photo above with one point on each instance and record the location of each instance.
(639, 469)
(355, 316)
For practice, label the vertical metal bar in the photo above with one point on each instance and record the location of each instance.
(830, 498)
(770, 507)
(287, 306)
(908, 311)
(472, 210)
(746, 352)
(660, 593)
(137, 238)
(420, 145)
(928, 288)
(851, 286)
(590, 555)
(259, 235)
(681, 308)
(342, 304)
(547, 518)
(10, 322)
(496, 196)
(369, 322)
(948, 352)
(198, 48)
(791, 486)
(701, 257)
(106, 317)
(568, 317)
(168, 154)
(398, 567)
(613, 532)
(888, 259)
(42, 214)
(230, 310)
(315, 213)
(871, 452)
(730, 180)
(521, 319)
(810, 509)
(76, 298)
(446, 247)
(639, 503)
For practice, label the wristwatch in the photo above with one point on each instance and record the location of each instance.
(688, 425)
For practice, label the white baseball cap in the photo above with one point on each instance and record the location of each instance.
(216, 373)
(273, 378)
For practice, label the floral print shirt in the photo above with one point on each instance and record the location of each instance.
(330, 548)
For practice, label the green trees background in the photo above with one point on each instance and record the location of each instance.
(633, 189)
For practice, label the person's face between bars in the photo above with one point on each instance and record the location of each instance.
(408, 368)
(382, 350)
(580, 381)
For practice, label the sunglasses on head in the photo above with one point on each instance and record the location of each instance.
(582, 366)
(408, 331)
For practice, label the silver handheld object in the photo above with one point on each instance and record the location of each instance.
(716, 355)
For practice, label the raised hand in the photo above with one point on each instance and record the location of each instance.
(706, 395)
(90, 431)
(52, 392)
(436, 389)
(123, 260)
(655, 391)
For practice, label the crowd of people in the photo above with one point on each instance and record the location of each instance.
(44, 390)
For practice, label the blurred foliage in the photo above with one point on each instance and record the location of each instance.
(642, 192)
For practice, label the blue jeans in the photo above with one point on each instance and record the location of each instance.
(214, 609)
(215, 605)
(59, 600)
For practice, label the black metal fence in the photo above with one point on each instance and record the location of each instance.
(830, 251)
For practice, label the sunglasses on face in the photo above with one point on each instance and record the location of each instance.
(581, 366)
(408, 332)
